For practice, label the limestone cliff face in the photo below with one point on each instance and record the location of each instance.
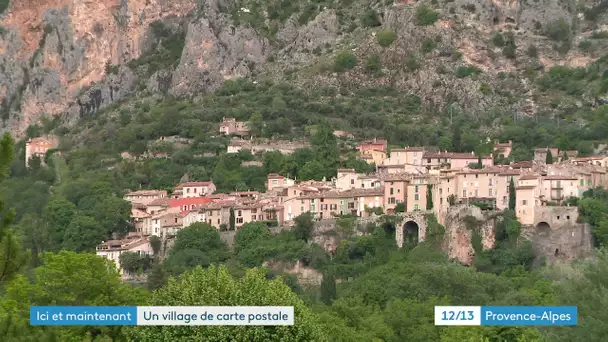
(52, 49)
(458, 232)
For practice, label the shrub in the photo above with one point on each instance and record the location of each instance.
(509, 49)
(386, 37)
(465, 71)
(532, 51)
(498, 39)
(344, 61)
(426, 16)
(585, 45)
(3, 5)
(411, 62)
(370, 18)
(428, 45)
(559, 31)
(373, 64)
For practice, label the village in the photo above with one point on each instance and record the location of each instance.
(409, 179)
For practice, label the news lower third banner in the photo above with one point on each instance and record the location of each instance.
(506, 315)
(161, 315)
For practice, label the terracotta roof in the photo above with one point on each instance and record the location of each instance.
(491, 169)
(525, 187)
(163, 202)
(346, 170)
(123, 244)
(414, 149)
(522, 164)
(275, 176)
(451, 155)
(528, 177)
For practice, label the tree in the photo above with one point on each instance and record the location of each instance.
(512, 198)
(34, 236)
(12, 258)
(565, 156)
(452, 199)
(256, 125)
(58, 214)
(197, 244)
(157, 277)
(232, 220)
(328, 288)
(83, 234)
(429, 197)
(304, 226)
(250, 243)
(155, 243)
(215, 286)
(549, 158)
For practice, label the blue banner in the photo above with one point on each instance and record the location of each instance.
(83, 315)
(529, 315)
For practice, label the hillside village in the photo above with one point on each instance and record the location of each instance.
(409, 179)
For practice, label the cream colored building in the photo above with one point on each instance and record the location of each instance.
(145, 196)
(133, 243)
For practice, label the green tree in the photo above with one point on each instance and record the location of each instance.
(157, 277)
(512, 199)
(215, 286)
(155, 243)
(565, 156)
(250, 243)
(232, 220)
(197, 244)
(83, 234)
(256, 125)
(549, 158)
(386, 37)
(344, 61)
(66, 278)
(425, 16)
(429, 197)
(12, 258)
(34, 236)
(328, 288)
(304, 226)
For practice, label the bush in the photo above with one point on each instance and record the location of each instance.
(426, 16)
(585, 45)
(3, 5)
(344, 61)
(532, 51)
(428, 45)
(370, 19)
(498, 39)
(411, 62)
(373, 64)
(509, 49)
(386, 37)
(559, 31)
(465, 71)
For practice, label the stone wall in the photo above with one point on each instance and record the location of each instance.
(556, 235)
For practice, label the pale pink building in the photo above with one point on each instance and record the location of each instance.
(38, 147)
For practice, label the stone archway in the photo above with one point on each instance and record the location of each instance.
(411, 232)
(543, 228)
(413, 225)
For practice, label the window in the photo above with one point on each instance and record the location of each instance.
(428, 160)
(188, 190)
(491, 182)
(362, 185)
(194, 190)
(416, 207)
(253, 217)
(301, 201)
(333, 207)
(504, 199)
(440, 201)
(351, 205)
(176, 220)
(218, 221)
(275, 181)
(417, 189)
(301, 209)
(440, 191)
(239, 220)
(392, 191)
(323, 206)
(398, 191)
(582, 182)
(417, 197)
(391, 200)
(524, 202)
(240, 213)
(464, 193)
(476, 176)
(254, 211)
(322, 200)
(352, 181)
(490, 192)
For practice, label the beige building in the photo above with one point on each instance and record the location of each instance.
(231, 126)
(540, 154)
(196, 189)
(373, 156)
(347, 179)
(452, 160)
(38, 147)
(277, 181)
(145, 196)
(503, 149)
(134, 243)
(400, 160)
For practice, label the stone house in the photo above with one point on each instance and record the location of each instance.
(231, 126)
(504, 149)
(38, 147)
(145, 196)
(540, 154)
(133, 242)
(196, 189)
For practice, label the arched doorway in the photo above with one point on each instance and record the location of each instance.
(543, 228)
(411, 232)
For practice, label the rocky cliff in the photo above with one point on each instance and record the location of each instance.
(72, 58)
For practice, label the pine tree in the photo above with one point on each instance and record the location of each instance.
(429, 197)
(232, 219)
(565, 156)
(549, 159)
(328, 288)
(157, 277)
(512, 194)
(12, 257)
